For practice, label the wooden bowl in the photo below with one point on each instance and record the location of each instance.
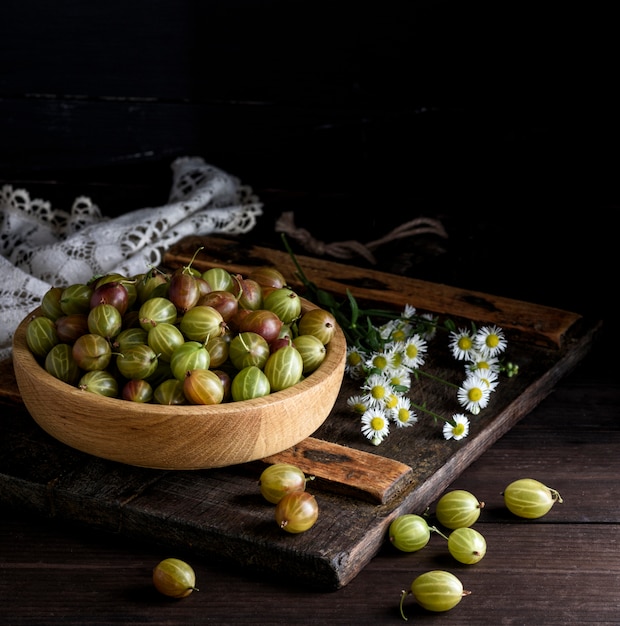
(178, 437)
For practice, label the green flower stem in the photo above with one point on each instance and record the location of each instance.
(437, 379)
(419, 407)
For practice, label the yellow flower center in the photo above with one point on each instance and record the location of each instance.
(492, 341)
(412, 351)
(397, 359)
(464, 343)
(391, 401)
(399, 335)
(355, 358)
(377, 423)
(380, 362)
(378, 392)
(403, 416)
(475, 394)
(459, 429)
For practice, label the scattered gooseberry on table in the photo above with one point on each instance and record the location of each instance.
(409, 532)
(458, 509)
(174, 578)
(435, 590)
(530, 498)
(467, 545)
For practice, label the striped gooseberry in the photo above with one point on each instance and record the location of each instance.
(170, 392)
(41, 336)
(268, 277)
(92, 351)
(155, 311)
(248, 349)
(100, 382)
(409, 532)
(248, 383)
(50, 303)
(219, 279)
(105, 320)
(458, 509)
(136, 390)
(174, 578)
(296, 512)
(137, 362)
(262, 322)
(529, 498)
(164, 338)
(111, 292)
(467, 545)
(279, 479)
(203, 387)
(190, 355)
(70, 327)
(285, 303)
(312, 352)
(224, 302)
(435, 590)
(76, 298)
(59, 362)
(319, 323)
(284, 368)
(201, 323)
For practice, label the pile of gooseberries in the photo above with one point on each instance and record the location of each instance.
(458, 510)
(284, 485)
(184, 337)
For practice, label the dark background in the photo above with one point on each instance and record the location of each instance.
(499, 120)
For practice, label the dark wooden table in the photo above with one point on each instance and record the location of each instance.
(561, 569)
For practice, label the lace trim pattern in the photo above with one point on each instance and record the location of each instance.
(42, 246)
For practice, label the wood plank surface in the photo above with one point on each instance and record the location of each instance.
(221, 513)
(540, 324)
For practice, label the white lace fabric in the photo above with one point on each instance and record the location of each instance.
(42, 246)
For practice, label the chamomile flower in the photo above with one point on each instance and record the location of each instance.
(457, 429)
(490, 341)
(357, 404)
(354, 365)
(481, 362)
(375, 425)
(376, 388)
(399, 378)
(402, 414)
(378, 361)
(462, 344)
(391, 401)
(473, 394)
(414, 352)
(393, 330)
(489, 377)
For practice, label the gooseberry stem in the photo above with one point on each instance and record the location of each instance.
(436, 530)
(403, 595)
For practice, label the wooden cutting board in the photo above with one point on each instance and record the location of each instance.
(360, 488)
